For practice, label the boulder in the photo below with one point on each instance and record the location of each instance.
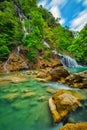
(58, 73)
(76, 126)
(61, 104)
(78, 80)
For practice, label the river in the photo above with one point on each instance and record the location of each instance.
(24, 105)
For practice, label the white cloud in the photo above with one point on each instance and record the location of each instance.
(84, 2)
(43, 3)
(55, 11)
(55, 4)
(78, 23)
(54, 8)
(58, 2)
(62, 21)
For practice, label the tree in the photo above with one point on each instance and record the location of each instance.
(79, 46)
(10, 27)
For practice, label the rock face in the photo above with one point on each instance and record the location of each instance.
(77, 126)
(78, 80)
(52, 63)
(58, 73)
(61, 104)
(16, 62)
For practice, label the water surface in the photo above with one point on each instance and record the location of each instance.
(21, 111)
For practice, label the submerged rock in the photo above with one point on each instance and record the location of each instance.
(14, 78)
(42, 98)
(50, 90)
(11, 97)
(61, 104)
(77, 126)
(28, 94)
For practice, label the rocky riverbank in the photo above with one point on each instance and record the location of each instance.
(60, 74)
(61, 104)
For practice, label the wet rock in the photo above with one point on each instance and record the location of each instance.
(78, 80)
(41, 75)
(58, 73)
(61, 104)
(41, 80)
(54, 112)
(76, 126)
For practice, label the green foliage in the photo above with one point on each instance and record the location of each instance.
(4, 51)
(79, 46)
(48, 17)
(32, 55)
(59, 37)
(42, 26)
(34, 39)
(10, 26)
(33, 42)
(27, 6)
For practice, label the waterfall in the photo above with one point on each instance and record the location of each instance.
(54, 52)
(6, 63)
(68, 61)
(46, 44)
(22, 19)
(18, 50)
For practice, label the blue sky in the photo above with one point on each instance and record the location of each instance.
(73, 13)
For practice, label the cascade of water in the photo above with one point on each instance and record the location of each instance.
(68, 61)
(54, 52)
(22, 19)
(18, 50)
(46, 44)
(6, 63)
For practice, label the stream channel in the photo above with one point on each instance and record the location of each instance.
(21, 111)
